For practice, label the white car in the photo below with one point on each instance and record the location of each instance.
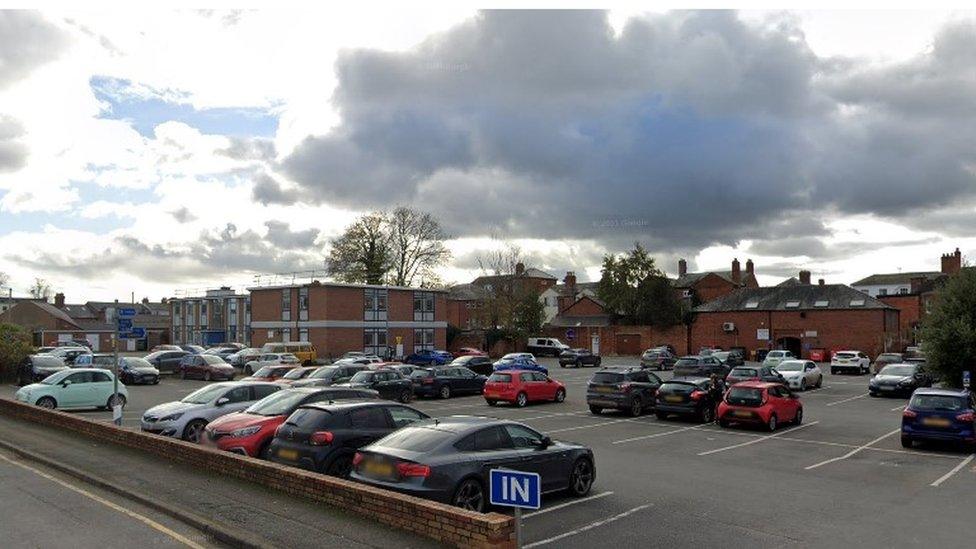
(187, 418)
(773, 358)
(850, 361)
(360, 359)
(270, 359)
(801, 374)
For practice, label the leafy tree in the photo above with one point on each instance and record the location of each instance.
(361, 254)
(634, 288)
(15, 346)
(527, 315)
(949, 331)
(40, 289)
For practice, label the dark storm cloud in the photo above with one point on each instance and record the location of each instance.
(26, 41)
(267, 190)
(249, 148)
(281, 235)
(685, 130)
(13, 153)
(183, 215)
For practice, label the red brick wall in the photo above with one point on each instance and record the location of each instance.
(266, 305)
(910, 313)
(584, 307)
(650, 336)
(712, 287)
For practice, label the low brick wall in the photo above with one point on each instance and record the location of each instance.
(434, 520)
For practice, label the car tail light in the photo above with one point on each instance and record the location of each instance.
(909, 414)
(413, 469)
(321, 438)
(697, 395)
(427, 380)
(966, 417)
(625, 387)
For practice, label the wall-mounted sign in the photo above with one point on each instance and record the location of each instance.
(762, 334)
(811, 333)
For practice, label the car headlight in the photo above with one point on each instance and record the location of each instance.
(172, 417)
(906, 381)
(247, 431)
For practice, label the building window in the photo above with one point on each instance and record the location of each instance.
(752, 305)
(792, 304)
(903, 291)
(423, 306)
(232, 332)
(375, 342)
(857, 303)
(821, 303)
(883, 291)
(286, 304)
(303, 299)
(232, 307)
(374, 304)
(286, 335)
(303, 334)
(423, 339)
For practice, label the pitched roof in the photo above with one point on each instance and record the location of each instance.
(806, 297)
(563, 321)
(55, 312)
(78, 311)
(688, 280)
(891, 279)
(530, 272)
(581, 287)
(466, 292)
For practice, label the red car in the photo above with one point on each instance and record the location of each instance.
(271, 373)
(760, 403)
(521, 387)
(250, 432)
(469, 351)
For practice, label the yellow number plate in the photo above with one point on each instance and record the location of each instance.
(935, 422)
(604, 389)
(378, 469)
(673, 398)
(742, 413)
(287, 453)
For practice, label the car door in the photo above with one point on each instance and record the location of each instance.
(491, 448)
(77, 390)
(368, 424)
(383, 384)
(810, 373)
(101, 388)
(533, 458)
(545, 388)
(472, 381)
(238, 398)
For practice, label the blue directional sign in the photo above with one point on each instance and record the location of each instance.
(125, 325)
(515, 489)
(570, 334)
(966, 379)
(126, 312)
(135, 333)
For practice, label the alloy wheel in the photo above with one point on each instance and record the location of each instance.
(521, 400)
(582, 478)
(470, 496)
(636, 407)
(560, 395)
(446, 391)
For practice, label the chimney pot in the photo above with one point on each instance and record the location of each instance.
(682, 267)
(519, 268)
(736, 271)
(59, 300)
(820, 282)
(750, 268)
(805, 277)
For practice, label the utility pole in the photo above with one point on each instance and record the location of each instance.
(116, 407)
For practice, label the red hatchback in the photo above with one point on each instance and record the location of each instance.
(760, 403)
(469, 351)
(521, 387)
(271, 373)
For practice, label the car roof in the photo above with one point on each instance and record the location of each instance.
(465, 424)
(757, 384)
(942, 392)
(345, 404)
(694, 380)
(518, 372)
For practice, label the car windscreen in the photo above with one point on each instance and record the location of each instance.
(309, 419)
(323, 373)
(744, 372)
(212, 359)
(948, 403)
(55, 377)
(48, 362)
(133, 362)
(790, 366)
(897, 370)
(264, 371)
(889, 357)
(276, 404)
(745, 396)
(362, 377)
(652, 354)
(295, 373)
(607, 377)
(421, 374)
(692, 362)
(204, 395)
(722, 355)
(500, 378)
(776, 354)
(416, 439)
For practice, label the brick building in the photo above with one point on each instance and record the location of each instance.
(218, 316)
(708, 285)
(338, 318)
(557, 298)
(463, 304)
(797, 316)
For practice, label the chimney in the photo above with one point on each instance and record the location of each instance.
(519, 269)
(570, 282)
(952, 263)
(736, 271)
(805, 277)
(59, 300)
(917, 282)
(145, 301)
(820, 282)
(682, 267)
(750, 268)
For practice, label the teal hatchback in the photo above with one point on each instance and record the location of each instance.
(74, 389)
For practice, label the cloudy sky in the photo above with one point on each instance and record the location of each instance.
(163, 151)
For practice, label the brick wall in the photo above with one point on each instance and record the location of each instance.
(584, 307)
(910, 313)
(437, 521)
(712, 287)
(649, 336)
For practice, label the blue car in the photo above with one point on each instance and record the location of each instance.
(939, 414)
(520, 364)
(428, 357)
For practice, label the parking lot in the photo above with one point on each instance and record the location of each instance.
(841, 477)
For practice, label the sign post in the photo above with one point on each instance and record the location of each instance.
(966, 379)
(124, 329)
(515, 489)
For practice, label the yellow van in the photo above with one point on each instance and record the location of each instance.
(303, 350)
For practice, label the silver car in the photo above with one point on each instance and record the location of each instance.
(801, 374)
(187, 418)
(773, 358)
(270, 359)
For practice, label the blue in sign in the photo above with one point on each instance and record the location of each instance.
(515, 489)
(126, 312)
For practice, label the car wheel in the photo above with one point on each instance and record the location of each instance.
(706, 415)
(47, 402)
(469, 495)
(445, 391)
(265, 451)
(833, 371)
(405, 396)
(598, 362)
(578, 364)
(636, 407)
(772, 423)
(182, 374)
(521, 400)
(799, 417)
(596, 410)
(560, 395)
(194, 430)
(341, 467)
(492, 402)
(819, 382)
(561, 365)
(907, 442)
(112, 401)
(872, 393)
(247, 370)
(206, 375)
(581, 479)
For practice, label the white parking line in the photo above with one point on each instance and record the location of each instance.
(852, 452)
(954, 470)
(567, 504)
(846, 400)
(589, 526)
(760, 439)
(655, 435)
(899, 408)
(564, 429)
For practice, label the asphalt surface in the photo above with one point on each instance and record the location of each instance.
(839, 479)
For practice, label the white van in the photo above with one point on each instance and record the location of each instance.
(542, 346)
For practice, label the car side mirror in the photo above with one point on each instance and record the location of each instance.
(222, 400)
(545, 443)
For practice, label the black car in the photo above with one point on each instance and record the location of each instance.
(388, 383)
(193, 349)
(899, 379)
(578, 357)
(37, 367)
(133, 371)
(632, 390)
(324, 437)
(700, 366)
(730, 358)
(330, 375)
(692, 397)
(446, 381)
(448, 460)
(478, 364)
(658, 359)
(167, 361)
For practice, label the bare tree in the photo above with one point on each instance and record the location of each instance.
(40, 289)
(416, 247)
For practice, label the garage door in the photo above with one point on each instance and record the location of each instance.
(628, 344)
(93, 341)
